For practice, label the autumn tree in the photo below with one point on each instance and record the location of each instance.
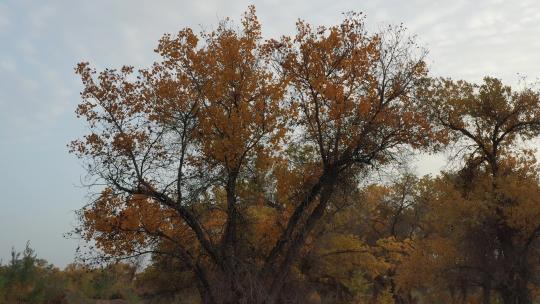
(196, 152)
(485, 214)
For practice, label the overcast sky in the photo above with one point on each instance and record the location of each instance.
(41, 41)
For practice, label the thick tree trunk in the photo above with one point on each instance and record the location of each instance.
(487, 286)
(516, 292)
(486, 295)
(291, 254)
(514, 288)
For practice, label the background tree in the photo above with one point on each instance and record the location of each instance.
(491, 228)
(355, 254)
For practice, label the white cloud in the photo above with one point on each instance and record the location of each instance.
(7, 65)
(465, 39)
(5, 21)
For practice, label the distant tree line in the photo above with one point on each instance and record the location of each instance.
(27, 279)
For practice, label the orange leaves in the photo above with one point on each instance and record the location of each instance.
(264, 227)
(337, 254)
(123, 142)
(354, 91)
(121, 225)
(237, 98)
